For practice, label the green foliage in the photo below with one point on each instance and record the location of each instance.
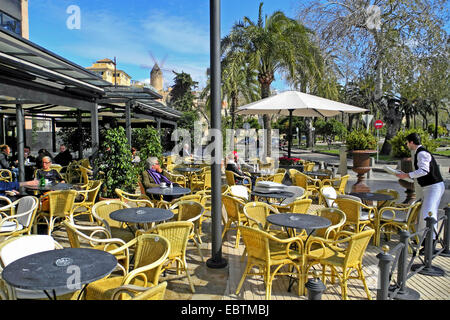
(330, 128)
(441, 130)
(181, 95)
(148, 142)
(398, 142)
(360, 140)
(115, 163)
(71, 138)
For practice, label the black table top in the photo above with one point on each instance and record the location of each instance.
(141, 215)
(175, 191)
(316, 173)
(187, 169)
(52, 269)
(298, 221)
(52, 187)
(372, 196)
(275, 195)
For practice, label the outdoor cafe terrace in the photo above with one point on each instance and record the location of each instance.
(130, 216)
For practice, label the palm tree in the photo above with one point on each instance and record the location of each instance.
(273, 44)
(238, 80)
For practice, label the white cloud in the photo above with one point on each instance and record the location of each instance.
(176, 33)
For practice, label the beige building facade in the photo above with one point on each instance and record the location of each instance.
(14, 17)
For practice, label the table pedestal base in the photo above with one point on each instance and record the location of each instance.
(216, 263)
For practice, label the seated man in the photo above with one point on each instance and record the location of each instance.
(47, 173)
(153, 176)
(63, 157)
(233, 166)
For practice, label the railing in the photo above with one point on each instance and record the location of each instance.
(405, 270)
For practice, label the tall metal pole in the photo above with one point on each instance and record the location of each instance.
(290, 133)
(216, 260)
(128, 121)
(20, 120)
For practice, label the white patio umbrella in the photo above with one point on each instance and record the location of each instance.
(295, 103)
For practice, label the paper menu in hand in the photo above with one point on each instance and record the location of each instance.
(391, 170)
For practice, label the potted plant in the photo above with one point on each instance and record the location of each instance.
(148, 143)
(362, 145)
(405, 163)
(114, 164)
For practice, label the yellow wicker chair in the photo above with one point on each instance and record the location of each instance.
(357, 219)
(190, 211)
(139, 293)
(256, 214)
(309, 166)
(56, 166)
(5, 175)
(394, 219)
(89, 196)
(338, 184)
(134, 199)
(342, 255)
(235, 215)
(231, 176)
(205, 201)
(337, 218)
(61, 205)
(100, 213)
(311, 185)
(85, 173)
(177, 233)
(72, 173)
(297, 206)
(151, 251)
(99, 238)
(85, 163)
(17, 218)
(176, 178)
(270, 254)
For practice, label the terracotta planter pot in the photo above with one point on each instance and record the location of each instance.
(361, 165)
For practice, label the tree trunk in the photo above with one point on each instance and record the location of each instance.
(392, 116)
(265, 93)
(436, 121)
(234, 103)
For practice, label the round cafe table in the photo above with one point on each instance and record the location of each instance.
(51, 187)
(141, 215)
(281, 195)
(292, 221)
(62, 269)
(372, 196)
(175, 191)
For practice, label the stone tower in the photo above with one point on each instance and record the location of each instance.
(156, 78)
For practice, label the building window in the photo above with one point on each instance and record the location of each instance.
(9, 23)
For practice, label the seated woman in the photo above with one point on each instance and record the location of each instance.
(47, 173)
(153, 175)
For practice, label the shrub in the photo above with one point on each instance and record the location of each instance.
(148, 142)
(360, 140)
(114, 161)
(398, 143)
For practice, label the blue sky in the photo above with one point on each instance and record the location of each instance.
(176, 32)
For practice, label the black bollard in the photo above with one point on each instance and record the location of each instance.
(403, 292)
(315, 287)
(384, 264)
(446, 252)
(429, 269)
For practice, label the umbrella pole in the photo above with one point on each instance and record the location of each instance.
(290, 133)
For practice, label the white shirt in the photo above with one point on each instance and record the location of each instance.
(423, 164)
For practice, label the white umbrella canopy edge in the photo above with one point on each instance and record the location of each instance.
(302, 104)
